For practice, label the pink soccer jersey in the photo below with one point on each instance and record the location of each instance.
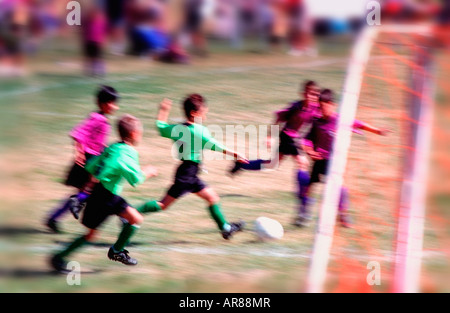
(92, 133)
(322, 133)
(295, 116)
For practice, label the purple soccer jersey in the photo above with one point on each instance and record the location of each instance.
(297, 115)
(322, 133)
(92, 133)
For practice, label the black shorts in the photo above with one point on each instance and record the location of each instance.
(186, 180)
(92, 50)
(319, 168)
(115, 12)
(77, 176)
(100, 205)
(288, 146)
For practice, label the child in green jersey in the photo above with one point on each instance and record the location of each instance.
(191, 139)
(117, 163)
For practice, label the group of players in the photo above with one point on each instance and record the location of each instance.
(307, 132)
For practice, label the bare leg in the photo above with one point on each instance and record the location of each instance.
(132, 216)
(166, 202)
(209, 195)
(302, 162)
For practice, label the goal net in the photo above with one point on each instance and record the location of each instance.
(389, 85)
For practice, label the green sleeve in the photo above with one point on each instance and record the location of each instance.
(131, 170)
(208, 142)
(165, 129)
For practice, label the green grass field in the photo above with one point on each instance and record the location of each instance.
(179, 250)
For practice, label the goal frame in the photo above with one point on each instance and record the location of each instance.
(412, 209)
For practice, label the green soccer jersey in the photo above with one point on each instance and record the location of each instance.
(118, 162)
(191, 139)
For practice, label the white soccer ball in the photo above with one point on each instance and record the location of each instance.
(267, 228)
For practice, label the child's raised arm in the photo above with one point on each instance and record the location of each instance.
(164, 110)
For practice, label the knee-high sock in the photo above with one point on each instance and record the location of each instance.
(76, 244)
(343, 200)
(150, 206)
(127, 232)
(60, 210)
(303, 180)
(217, 215)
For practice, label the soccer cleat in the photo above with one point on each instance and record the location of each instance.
(236, 168)
(53, 226)
(59, 264)
(302, 221)
(121, 257)
(234, 227)
(76, 206)
(304, 218)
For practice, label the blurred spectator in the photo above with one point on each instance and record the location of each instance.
(49, 13)
(409, 10)
(94, 31)
(193, 26)
(442, 29)
(279, 25)
(265, 21)
(149, 34)
(137, 14)
(294, 9)
(252, 18)
(223, 19)
(14, 21)
(239, 20)
(300, 29)
(245, 21)
(115, 13)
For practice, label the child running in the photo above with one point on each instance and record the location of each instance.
(192, 138)
(91, 138)
(117, 163)
(295, 120)
(318, 144)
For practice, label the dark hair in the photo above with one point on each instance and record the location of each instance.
(309, 84)
(193, 103)
(106, 94)
(127, 125)
(327, 96)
